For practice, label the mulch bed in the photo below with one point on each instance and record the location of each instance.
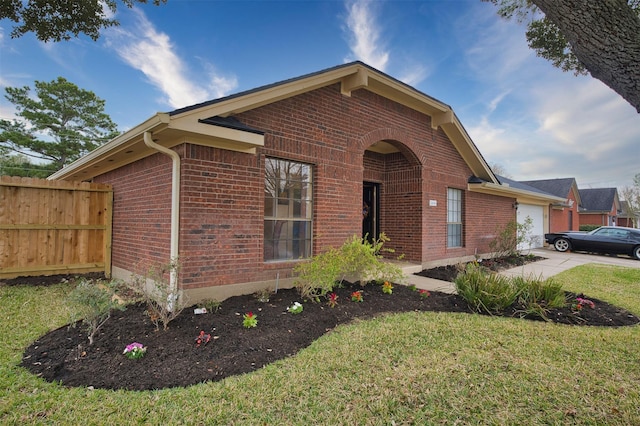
(173, 359)
(450, 272)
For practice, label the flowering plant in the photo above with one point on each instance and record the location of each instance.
(424, 293)
(582, 302)
(134, 350)
(202, 339)
(356, 296)
(249, 320)
(333, 300)
(387, 288)
(296, 308)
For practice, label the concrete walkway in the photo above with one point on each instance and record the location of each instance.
(554, 263)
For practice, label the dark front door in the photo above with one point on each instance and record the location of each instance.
(370, 210)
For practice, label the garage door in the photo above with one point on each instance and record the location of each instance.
(536, 213)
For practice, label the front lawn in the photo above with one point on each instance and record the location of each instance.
(423, 368)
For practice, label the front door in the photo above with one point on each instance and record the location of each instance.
(370, 210)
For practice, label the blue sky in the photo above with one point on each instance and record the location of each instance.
(532, 119)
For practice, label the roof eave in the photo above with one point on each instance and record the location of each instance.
(118, 143)
(506, 191)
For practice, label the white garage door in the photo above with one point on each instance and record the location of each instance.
(536, 213)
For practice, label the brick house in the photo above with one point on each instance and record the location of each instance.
(240, 189)
(600, 206)
(563, 216)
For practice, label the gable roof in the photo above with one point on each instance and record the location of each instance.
(599, 200)
(521, 185)
(558, 187)
(205, 123)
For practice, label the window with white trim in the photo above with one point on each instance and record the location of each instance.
(288, 210)
(454, 217)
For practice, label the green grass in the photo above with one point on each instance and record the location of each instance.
(413, 368)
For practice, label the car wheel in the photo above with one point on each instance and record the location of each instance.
(562, 244)
(636, 252)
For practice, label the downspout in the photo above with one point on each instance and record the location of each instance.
(175, 216)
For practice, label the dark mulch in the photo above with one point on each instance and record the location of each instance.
(173, 360)
(449, 272)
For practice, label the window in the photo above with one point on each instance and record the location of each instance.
(288, 210)
(454, 217)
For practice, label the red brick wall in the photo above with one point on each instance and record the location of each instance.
(559, 218)
(141, 213)
(598, 218)
(594, 219)
(223, 191)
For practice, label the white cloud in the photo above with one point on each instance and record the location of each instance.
(364, 34)
(414, 75)
(151, 51)
(537, 121)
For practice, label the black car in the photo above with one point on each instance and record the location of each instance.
(606, 239)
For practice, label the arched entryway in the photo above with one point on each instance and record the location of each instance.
(392, 192)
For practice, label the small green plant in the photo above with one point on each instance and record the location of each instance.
(134, 350)
(333, 300)
(249, 320)
(164, 303)
(484, 290)
(487, 291)
(356, 296)
(211, 305)
(92, 302)
(387, 288)
(536, 296)
(296, 308)
(263, 295)
(424, 294)
(358, 259)
(412, 287)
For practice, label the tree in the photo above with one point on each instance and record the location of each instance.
(19, 165)
(599, 37)
(56, 20)
(631, 194)
(499, 169)
(72, 118)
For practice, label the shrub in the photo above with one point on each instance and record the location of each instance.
(92, 302)
(588, 228)
(506, 243)
(484, 290)
(357, 259)
(487, 291)
(537, 296)
(163, 303)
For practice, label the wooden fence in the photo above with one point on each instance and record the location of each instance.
(54, 227)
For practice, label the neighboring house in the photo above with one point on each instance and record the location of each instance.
(599, 206)
(627, 218)
(532, 203)
(563, 216)
(241, 189)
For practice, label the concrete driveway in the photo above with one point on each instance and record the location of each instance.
(554, 263)
(557, 262)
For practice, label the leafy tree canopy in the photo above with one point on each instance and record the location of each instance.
(601, 38)
(59, 125)
(20, 165)
(56, 20)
